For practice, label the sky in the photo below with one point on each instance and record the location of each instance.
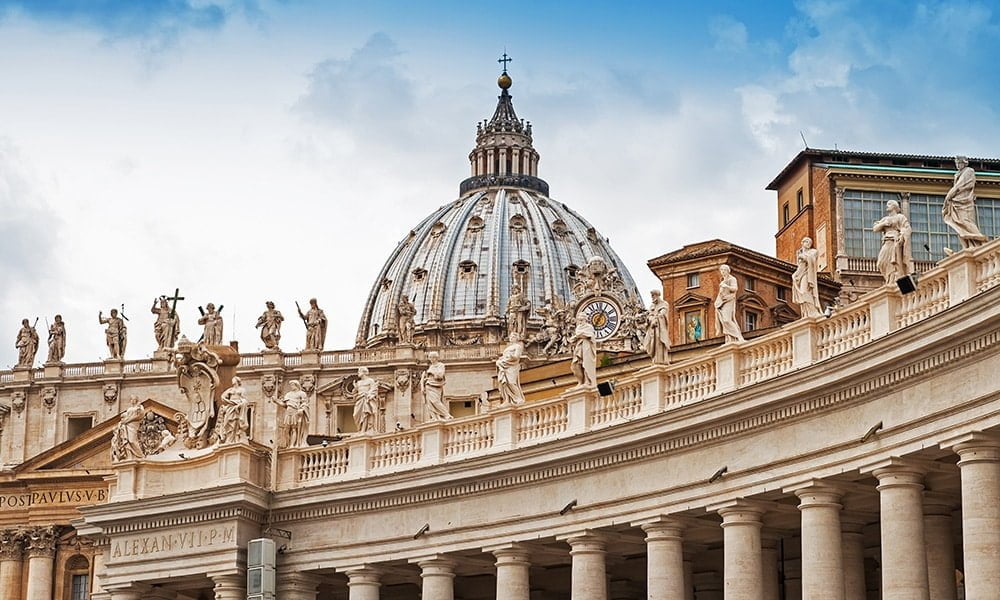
(246, 151)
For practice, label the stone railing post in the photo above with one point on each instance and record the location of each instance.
(805, 334)
(727, 368)
(579, 406)
(359, 457)
(504, 428)
(289, 463)
(961, 277)
(884, 310)
(432, 444)
(653, 382)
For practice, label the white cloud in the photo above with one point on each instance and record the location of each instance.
(729, 34)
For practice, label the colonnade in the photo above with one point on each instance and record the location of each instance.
(33, 548)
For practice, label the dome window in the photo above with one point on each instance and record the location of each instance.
(572, 271)
(592, 235)
(559, 228)
(521, 267)
(518, 223)
(386, 283)
(438, 229)
(476, 223)
(467, 268)
(419, 274)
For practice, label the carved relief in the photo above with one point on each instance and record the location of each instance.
(17, 400)
(308, 381)
(110, 392)
(11, 544)
(49, 395)
(198, 379)
(402, 380)
(154, 437)
(596, 278)
(270, 383)
(41, 541)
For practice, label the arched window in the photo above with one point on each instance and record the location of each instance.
(518, 223)
(476, 223)
(77, 578)
(438, 229)
(466, 269)
(419, 274)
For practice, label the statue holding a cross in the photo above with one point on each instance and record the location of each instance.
(168, 324)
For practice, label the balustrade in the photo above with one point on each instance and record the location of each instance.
(930, 298)
(845, 330)
(468, 437)
(395, 450)
(765, 359)
(623, 404)
(690, 382)
(322, 463)
(542, 421)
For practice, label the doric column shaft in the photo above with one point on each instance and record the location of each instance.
(853, 544)
(513, 568)
(11, 563)
(822, 556)
(589, 577)
(688, 580)
(940, 550)
(230, 587)
(743, 564)
(363, 583)
(438, 578)
(904, 562)
(979, 462)
(665, 560)
(769, 562)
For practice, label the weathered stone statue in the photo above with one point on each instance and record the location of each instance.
(296, 405)
(212, 321)
(269, 324)
(57, 341)
(509, 372)
(725, 307)
(116, 335)
(26, 343)
(805, 284)
(167, 326)
(551, 334)
(432, 386)
(584, 363)
(518, 308)
(959, 210)
(200, 369)
(366, 403)
(656, 342)
(894, 258)
(405, 314)
(125, 439)
(233, 424)
(315, 321)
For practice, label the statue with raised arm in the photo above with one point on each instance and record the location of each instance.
(432, 386)
(366, 404)
(116, 334)
(167, 326)
(805, 283)
(405, 314)
(269, 324)
(894, 258)
(57, 341)
(725, 307)
(296, 419)
(233, 424)
(584, 363)
(212, 321)
(509, 372)
(656, 341)
(26, 344)
(315, 322)
(959, 210)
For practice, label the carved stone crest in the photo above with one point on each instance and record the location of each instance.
(308, 382)
(402, 380)
(110, 392)
(151, 433)
(198, 378)
(17, 400)
(270, 383)
(598, 277)
(49, 395)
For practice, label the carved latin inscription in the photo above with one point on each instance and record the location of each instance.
(182, 541)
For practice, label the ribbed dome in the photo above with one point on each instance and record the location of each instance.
(459, 264)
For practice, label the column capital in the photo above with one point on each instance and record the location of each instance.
(584, 542)
(294, 581)
(435, 565)
(739, 512)
(11, 544)
(662, 528)
(41, 541)
(973, 447)
(510, 554)
(819, 494)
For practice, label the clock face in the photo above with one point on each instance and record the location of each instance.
(603, 315)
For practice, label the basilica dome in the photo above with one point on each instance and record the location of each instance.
(458, 266)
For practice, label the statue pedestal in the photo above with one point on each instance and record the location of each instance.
(113, 366)
(22, 374)
(161, 362)
(404, 352)
(273, 358)
(579, 405)
(53, 370)
(310, 357)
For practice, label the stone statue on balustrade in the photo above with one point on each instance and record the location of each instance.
(656, 342)
(211, 319)
(167, 326)
(405, 315)
(269, 324)
(116, 334)
(366, 402)
(234, 415)
(894, 258)
(518, 309)
(296, 417)
(959, 210)
(509, 372)
(805, 282)
(315, 322)
(584, 363)
(432, 386)
(725, 307)
(57, 341)
(26, 344)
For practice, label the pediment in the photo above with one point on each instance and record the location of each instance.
(752, 299)
(692, 299)
(783, 313)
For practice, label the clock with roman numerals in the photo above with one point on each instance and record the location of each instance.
(604, 314)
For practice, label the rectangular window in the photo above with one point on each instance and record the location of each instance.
(750, 319)
(799, 201)
(751, 284)
(692, 280)
(784, 215)
(861, 210)
(930, 233)
(80, 587)
(77, 425)
(782, 293)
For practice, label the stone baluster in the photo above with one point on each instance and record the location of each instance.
(822, 556)
(904, 560)
(589, 574)
(11, 562)
(230, 587)
(665, 559)
(513, 566)
(363, 582)
(979, 461)
(744, 571)
(41, 547)
(437, 574)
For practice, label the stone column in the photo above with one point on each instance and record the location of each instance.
(940, 548)
(513, 566)
(296, 586)
(979, 461)
(688, 579)
(589, 577)
(363, 583)
(904, 562)
(822, 557)
(11, 562)
(853, 545)
(665, 559)
(128, 592)
(230, 587)
(41, 546)
(769, 560)
(744, 570)
(707, 586)
(438, 575)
